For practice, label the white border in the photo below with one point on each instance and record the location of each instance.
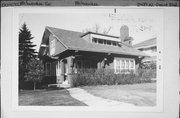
(15, 107)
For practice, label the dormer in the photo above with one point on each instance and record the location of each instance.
(97, 38)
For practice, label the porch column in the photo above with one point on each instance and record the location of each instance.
(62, 71)
(58, 72)
(99, 65)
(103, 64)
(70, 70)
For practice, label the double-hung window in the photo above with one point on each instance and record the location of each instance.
(118, 66)
(124, 65)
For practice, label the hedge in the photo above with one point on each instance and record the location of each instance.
(108, 77)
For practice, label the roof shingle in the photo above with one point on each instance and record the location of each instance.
(145, 43)
(73, 41)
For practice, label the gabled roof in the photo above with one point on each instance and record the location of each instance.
(72, 41)
(146, 43)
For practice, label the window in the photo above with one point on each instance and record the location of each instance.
(114, 43)
(47, 69)
(153, 49)
(104, 42)
(124, 65)
(127, 64)
(94, 40)
(109, 42)
(118, 66)
(83, 64)
(132, 64)
(100, 41)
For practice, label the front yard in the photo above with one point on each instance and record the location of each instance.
(48, 98)
(137, 94)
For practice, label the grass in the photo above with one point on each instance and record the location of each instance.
(48, 98)
(137, 94)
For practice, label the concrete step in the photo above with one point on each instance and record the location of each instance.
(63, 85)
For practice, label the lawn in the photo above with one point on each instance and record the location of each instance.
(48, 98)
(137, 94)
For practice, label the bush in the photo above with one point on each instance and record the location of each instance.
(108, 77)
(146, 75)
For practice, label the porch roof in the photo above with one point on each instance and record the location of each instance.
(147, 43)
(73, 40)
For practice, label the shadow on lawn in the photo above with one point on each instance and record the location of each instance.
(48, 97)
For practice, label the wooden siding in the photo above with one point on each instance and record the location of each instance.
(59, 48)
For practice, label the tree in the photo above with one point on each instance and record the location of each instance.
(97, 29)
(106, 31)
(26, 52)
(36, 71)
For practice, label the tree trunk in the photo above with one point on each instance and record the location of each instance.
(34, 86)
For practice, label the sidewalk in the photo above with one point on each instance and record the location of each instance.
(91, 100)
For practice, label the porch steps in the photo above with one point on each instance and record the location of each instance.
(65, 86)
(59, 86)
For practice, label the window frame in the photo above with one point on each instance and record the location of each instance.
(46, 70)
(104, 42)
(118, 69)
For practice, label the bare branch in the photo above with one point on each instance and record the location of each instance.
(106, 31)
(97, 28)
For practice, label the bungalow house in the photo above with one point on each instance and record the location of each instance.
(64, 52)
(150, 48)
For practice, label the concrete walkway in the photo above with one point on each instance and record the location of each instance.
(91, 100)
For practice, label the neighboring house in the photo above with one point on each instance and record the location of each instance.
(150, 48)
(64, 52)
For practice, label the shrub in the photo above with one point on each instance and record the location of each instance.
(108, 77)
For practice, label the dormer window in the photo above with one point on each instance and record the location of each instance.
(94, 40)
(102, 39)
(108, 42)
(105, 42)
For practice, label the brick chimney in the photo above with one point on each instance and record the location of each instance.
(124, 35)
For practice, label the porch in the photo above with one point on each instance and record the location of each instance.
(65, 66)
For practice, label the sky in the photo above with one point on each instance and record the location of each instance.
(142, 26)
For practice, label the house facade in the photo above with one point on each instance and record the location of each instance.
(150, 48)
(65, 52)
